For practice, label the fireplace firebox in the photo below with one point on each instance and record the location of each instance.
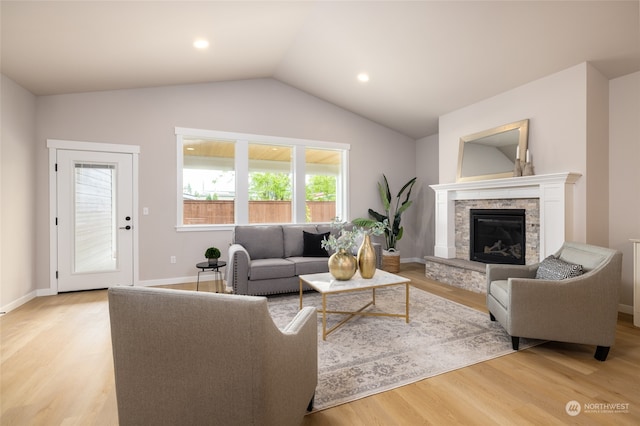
(497, 236)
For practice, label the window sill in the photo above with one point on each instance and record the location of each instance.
(204, 228)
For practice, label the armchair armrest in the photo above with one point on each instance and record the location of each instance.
(292, 360)
(238, 269)
(496, 272)
(302, 317)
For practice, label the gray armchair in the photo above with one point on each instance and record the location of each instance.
(582, 309)
(195, 358)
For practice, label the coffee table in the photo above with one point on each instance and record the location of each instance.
(325, 283)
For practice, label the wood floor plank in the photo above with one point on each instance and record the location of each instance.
(56, 368)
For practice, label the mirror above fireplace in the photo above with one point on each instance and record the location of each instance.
(491, 154)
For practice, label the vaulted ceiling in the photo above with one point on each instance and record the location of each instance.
(423, 58)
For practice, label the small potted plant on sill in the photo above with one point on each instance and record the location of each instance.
(212, 254)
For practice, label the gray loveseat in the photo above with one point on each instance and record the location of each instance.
(267, 259)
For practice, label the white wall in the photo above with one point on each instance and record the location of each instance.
(559, 108)
(624, 177)
(147, 117)
(18, 205)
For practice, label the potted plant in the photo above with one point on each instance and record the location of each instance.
(391, 217)
(212, 254)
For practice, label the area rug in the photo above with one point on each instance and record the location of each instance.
(369, 355)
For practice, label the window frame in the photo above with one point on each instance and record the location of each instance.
(242, 141)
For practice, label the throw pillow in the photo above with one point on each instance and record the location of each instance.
(313, 244)
(553, 268)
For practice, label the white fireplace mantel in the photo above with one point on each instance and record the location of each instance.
(555, 192)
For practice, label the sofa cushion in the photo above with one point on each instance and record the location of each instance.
(310, 265)
(261, 242)
(265, 269)
(293, 239)
(553, 268)
(313, 244)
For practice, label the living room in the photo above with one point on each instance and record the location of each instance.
(568, 122)
(572, 110)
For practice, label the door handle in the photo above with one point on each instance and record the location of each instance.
(125, 227)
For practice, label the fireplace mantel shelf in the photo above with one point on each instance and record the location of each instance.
(555, 192)
(514, 182)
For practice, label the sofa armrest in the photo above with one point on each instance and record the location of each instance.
(377, 247)
(238, 269)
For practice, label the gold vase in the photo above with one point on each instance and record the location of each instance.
(342, 265)
(366, 258)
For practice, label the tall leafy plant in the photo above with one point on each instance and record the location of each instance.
(393, 209)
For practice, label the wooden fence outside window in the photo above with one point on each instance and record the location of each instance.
(205, 212)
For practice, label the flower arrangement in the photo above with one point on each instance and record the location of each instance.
(349, 240)
(346, 240)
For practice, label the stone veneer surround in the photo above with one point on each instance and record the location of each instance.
(531, 206)
(554, 196)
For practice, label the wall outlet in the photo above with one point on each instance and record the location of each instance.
(173, 259)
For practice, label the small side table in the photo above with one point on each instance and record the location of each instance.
(205, 267)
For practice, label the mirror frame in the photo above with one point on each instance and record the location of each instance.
(522, 126)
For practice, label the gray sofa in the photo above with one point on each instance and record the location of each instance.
(267, 259)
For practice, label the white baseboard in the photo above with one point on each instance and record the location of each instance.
(625, 309)
(18, 302)
(411, 260)
(167, 281)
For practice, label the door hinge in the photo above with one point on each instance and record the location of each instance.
(56, 221)
(56, 275)
(56, 167)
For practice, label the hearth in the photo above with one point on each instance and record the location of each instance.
(497, 236)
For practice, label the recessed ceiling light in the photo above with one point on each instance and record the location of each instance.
(363, 77)
(201, 43)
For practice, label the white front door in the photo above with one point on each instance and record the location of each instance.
(94, 219)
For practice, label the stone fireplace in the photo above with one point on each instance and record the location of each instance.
(547, 202)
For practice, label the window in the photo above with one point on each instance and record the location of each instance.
(226, 178)
(322, 184)
(270, 184)
(208, 181)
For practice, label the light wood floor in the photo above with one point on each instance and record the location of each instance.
(56, 369)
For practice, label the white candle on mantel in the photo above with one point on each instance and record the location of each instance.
(517, 153)
(527, 159)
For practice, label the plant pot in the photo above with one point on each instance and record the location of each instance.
(213, 261)
(391, 261)
(342, 265)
